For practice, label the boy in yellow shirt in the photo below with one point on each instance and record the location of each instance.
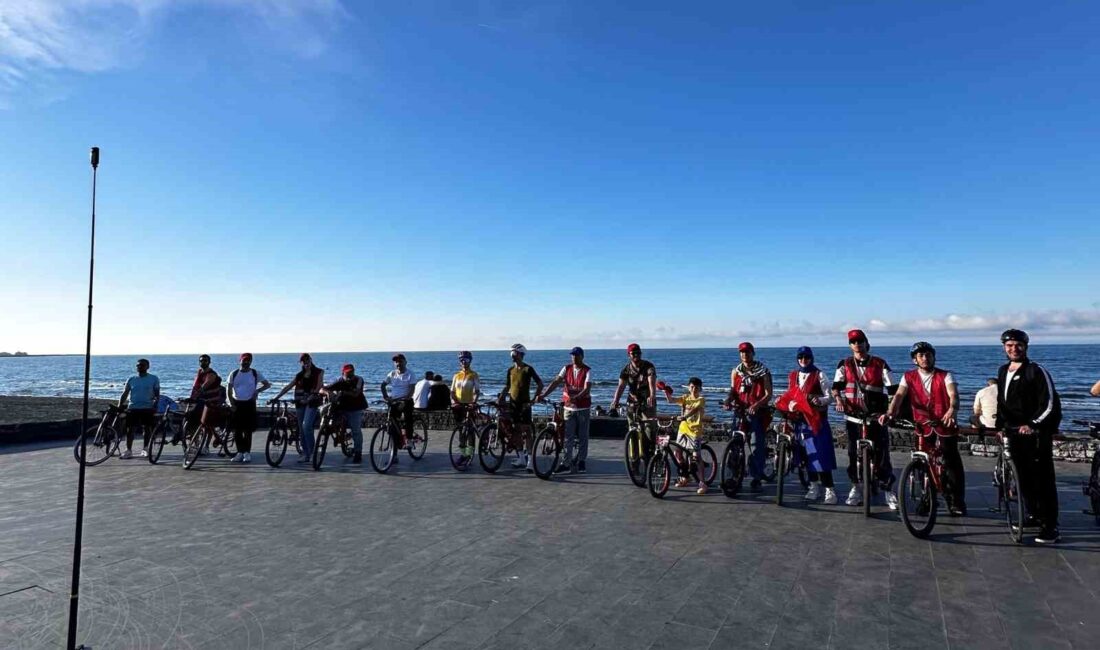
(693, 407)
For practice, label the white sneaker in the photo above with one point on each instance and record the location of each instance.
(891, 500)
(855, 497)
(144, 453)
(238, 458)
(247, 458)
(517, 462)
(830, 497)
(127, 454)
(814, 492)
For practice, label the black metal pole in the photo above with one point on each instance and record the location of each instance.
(74, 598)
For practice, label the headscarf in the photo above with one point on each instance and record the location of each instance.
(803, 351)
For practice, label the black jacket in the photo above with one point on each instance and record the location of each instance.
(1030, 399)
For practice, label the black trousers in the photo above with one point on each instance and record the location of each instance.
(954, 475)
(826, 478)
(146, 419)
(1034, 458)
(884, 470)
(243, 423)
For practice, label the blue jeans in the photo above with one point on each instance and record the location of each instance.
(355, 425)
(307, 420)
(576, 424)
(759, 447)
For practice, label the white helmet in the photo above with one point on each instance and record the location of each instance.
(518, 347)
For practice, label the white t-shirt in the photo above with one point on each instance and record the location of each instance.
(421, 393)
(400, 384)
(243, 383)
(985, 403)
(926, 379)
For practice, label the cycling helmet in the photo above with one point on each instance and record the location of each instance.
(921, 346)
(465, 355)
(518, 347)
(1014, 335)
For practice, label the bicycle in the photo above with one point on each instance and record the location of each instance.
(102, 440)
(659, 466)
(1091, 487)
(1010, 498)
(173, 421)
(284, 431)
(333, 425)
(865, 449)
(205, 434)
(638, 445)
(790, 455)
(499, 436)
(386, 441)
(739, 450)
(922, 481)
(549, 442)
(465, 435)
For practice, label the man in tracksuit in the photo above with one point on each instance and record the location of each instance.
(1029, 407)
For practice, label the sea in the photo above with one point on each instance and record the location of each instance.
(1074, 369)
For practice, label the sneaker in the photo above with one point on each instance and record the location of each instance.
(814, 492)
(144, 453)
(891, 500)
(581, 469)
(957, 511)
(564, 468)
(517, 463)
(302, 460)
(357, 458)
(830, 497)
(126, 454)
(855, 496)
(1048, 536)
(702, 489)
(681, 482)
(237, 459)
(247, 458)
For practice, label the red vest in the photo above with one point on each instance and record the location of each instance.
(928, 406)
(575, 381)
(872, 382)
(751, 395)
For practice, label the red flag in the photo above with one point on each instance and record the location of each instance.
(801, 406)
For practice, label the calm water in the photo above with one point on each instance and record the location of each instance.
(1074, 368)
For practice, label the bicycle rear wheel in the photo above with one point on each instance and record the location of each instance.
(196, 441)
(917, 498)
(634, 457)
(1015, 507)
(418, 441)
(275, 449)
(98, 446)
(710, 463)
(547, 452)
(319, 448)
(782, 459)
(865, 472)
(157, 440)
(733, 468)
(658, 474)
(382, 449)
(490, 448)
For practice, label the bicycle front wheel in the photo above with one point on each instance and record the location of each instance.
(658, 475)
(319, 448)
(275, 449)
(418, 441)
(382, 449)
(490, 448)
(634, 457)
(196, 441)
(157, 440)
(865, 473)
(710, 463)
(547, 452)
(98, 441)
(733, 468)
(459, 448)
(771, 441)
(917, 498)
(1015, 508)
(782, 458)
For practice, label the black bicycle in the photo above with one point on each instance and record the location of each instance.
(101, 441)
(669, 454)
(464, 438)
(638, 443)
(1006, 479)
(333, 425)
(549, 442)
(865, 449)
(790, 455)
(169, 430)
(1091, 488)
(283, 433)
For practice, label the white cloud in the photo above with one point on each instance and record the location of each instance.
(43, 37)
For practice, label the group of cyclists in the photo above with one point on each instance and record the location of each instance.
(861, 389)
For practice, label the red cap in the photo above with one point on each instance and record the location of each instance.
(745, 347)
(246, 355)
(633, 347)
(856, 335)
(347, 367)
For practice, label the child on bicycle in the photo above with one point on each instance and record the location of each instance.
(693, 407)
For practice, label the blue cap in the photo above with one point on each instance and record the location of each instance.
(805, 351)
(577, 350)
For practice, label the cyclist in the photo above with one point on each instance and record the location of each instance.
(143, 392)
(397, 390)
(693, 407)
(307, 385)
(751, 390)
(1028, 403)
(808, 393)
(245, 384)
(465, 391)
(933, 395)
(640, 377)
(577, 399)
(347, 397)
(860, 385)
(517, 386)
(203, 378)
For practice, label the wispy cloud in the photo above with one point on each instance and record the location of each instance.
(44, 37)
(1054, 325)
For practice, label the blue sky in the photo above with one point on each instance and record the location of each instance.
(282, 175)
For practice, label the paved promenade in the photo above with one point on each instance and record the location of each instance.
(250, 557)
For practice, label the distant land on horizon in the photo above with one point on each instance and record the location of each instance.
(17, 354)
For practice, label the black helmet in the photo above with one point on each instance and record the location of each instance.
(921, 346)
(1015, 335)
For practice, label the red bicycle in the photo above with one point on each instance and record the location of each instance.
(922, 481)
